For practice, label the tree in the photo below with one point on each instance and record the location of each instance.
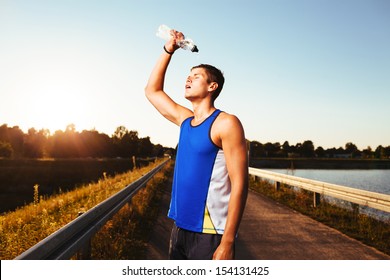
(158, 150)
(130, 144)
(367, 153)
(351, 148)
(14, 136)
(271, 150)
(380, 152)
(145, 148)
(256, 149)
(320, 152)
(70, 128)
(120, 132)
(386, 152)
(126, 143)
(5, 149)
(65, 144)
(70, 143)
(35, 143)
(286, 148)
(91, 143)
(307, 149)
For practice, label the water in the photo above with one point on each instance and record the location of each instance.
(373, 180)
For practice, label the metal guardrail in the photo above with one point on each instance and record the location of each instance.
(366, 198)
(68, 240)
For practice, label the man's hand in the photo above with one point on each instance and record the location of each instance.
(154, 89)
(172, 45)
(225, 251)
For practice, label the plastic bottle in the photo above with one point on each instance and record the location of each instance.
(186, 44)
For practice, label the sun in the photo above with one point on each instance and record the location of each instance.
(54, 108)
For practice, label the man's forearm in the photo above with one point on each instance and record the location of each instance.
(156, 79)
(236, 207)
(235, 211)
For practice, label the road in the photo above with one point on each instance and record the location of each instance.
(271, 231)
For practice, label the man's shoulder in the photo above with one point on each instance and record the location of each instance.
(227, 123)
(226, 118)
(225, 126)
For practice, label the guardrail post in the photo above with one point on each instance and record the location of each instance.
(355, 209)
(134, 163)
(316, 199)
(255, 178)
(277, 186)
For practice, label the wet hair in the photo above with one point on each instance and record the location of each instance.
(213, 75)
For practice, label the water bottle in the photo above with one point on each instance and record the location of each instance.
(187, 44)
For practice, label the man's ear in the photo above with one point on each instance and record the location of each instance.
(213, 86)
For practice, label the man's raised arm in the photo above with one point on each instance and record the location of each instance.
(154, 89)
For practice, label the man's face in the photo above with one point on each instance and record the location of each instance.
(196, 84)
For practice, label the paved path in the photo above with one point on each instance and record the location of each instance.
(270, 231)
(159, 242)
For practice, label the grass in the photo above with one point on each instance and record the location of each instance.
(362, 227)
(23, 228)
(126, 236)
(17, 176)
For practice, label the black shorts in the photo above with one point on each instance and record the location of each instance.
(189, 245)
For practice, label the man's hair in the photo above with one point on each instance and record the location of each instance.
(213, 75)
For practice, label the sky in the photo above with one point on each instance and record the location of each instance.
(295, 70)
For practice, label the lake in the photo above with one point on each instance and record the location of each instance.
(374, 180)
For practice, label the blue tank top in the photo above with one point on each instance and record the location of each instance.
(201, 185)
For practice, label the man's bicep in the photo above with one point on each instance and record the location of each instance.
(234, 145)
(169, 108)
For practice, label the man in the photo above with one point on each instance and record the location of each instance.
(211, 173)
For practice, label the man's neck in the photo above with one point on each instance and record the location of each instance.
(202, 111)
